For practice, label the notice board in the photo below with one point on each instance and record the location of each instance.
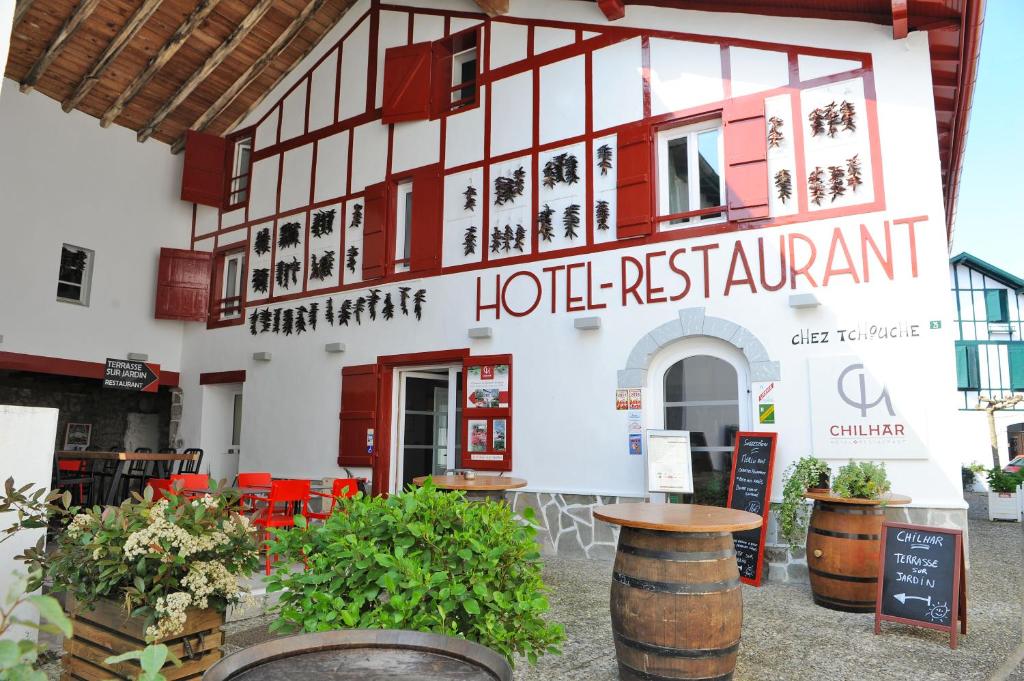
(669, 464)
(921, 578)
(487, 413)
(750, 488)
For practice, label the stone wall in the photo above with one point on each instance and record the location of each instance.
(83, 400)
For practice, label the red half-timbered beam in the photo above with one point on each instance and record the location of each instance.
(900, 19)
(220, 377)
(16, 361)
(613, 9)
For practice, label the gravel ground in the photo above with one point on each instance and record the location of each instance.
(785, 636)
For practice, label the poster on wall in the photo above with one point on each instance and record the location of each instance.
(669, 468)
(499, 435)
(487, 386)
(77, 437)
(855, 415)
(478, 435)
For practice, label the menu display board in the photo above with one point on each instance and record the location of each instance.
(487, 413)
(753, 459)
(921, 578)
(669, 467)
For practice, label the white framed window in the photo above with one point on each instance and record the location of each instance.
(464, 76)
(74, 276)
(403, 225)
(691, 177)
(241, 166)
(231, 286)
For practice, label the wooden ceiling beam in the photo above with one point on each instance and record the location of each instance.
(168, 50)
(120, 41)
(900, 19)
(254, 70)
(60, 41)
(493, 8)
(212, 62)
(20, 10)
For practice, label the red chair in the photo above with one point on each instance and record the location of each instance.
(192, 484)
(252, 480)
(342, 488)
(277, 508)
(74, 466)
(161, 487)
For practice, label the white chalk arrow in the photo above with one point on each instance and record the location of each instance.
(903, 598)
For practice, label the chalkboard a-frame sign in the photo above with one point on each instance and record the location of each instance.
(921, 578)
(750, 489)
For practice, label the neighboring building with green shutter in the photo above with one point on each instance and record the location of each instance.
(989, 328)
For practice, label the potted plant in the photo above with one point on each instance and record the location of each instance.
(157, 572)
(1003, 495)
(421, 560)
(861, 480)
(969, 475)
(808, 473)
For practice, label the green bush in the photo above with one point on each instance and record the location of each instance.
(861, 480)
(793, 512)
(1002, 482)
(422, 560)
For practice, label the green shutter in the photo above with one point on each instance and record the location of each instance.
(996, 306)
(1016, 355)
(967, 373)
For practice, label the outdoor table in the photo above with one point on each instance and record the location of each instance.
(122, 458)
(479, 488)
(843, 542)
(676, 599)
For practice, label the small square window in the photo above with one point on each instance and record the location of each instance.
(460, 80)
(691, 179)
(241, 165)
(74, 277)
(232, 279)
(403, 225)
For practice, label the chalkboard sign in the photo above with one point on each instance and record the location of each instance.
(753, 458)
(921, 578)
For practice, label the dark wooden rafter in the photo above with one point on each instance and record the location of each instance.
(168, 50)
(20, 10)
(59, 42)
(212, 62)
(119, 42)
(288, 70)
(493, 8)
(254, 71)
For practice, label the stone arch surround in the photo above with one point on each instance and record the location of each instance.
(692, 322)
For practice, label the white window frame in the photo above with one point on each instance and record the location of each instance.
(239, 258)
(458, 60)
(691, 132)
(239, 170)
(403, 235)
(86, 284)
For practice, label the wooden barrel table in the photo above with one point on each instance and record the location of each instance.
(842, 549)
(479, 488)
(676, 600)
(362, 654)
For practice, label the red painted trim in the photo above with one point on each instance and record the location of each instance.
(337, 82)
(900, 19)
(218, 377)
(588, 130)
(726, 72)
(645, 72)
(766, 510)
(56, 366)
(487, 414)
(613, 9)
(371, 57)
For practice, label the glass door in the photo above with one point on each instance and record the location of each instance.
(429, 417)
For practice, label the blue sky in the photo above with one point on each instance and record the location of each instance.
(988, 223)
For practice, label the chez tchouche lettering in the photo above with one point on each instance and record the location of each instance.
(851, 256)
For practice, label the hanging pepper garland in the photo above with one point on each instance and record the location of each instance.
(323, 267)
(418, 299)
(329, 311)
(359, 308)
(519, 181)
(288, 322)
(300, 319)
(314, 311)
(552, 173)
(601, 214)
(784, 185)
(775, 135)
(817, 120)
(836, 182)
(261, 243)
(345, 312)
(371, 303)
(604, 158)
(357, 216)
(277, 320)
(504, 190)
(520, 238)
(544, 228)
(470, 195)
(303, 318)
(507, 237)
(853, 172)
(403, 299)
(571, 220)
(253, 319)
(265, 318)
(350, 259)
(287, 273)
(848, 114)
(288, 235)
(815, 185)
(323, 223)
(261, 279)
(388, 311)
(469, 241)
(496, 239)
(570, 171)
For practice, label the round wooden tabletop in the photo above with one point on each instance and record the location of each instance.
(481, 483)
(677, 517)
(887, 499)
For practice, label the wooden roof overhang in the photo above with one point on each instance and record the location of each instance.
(161, 67)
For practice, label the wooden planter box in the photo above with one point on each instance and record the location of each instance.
(107, 630)
(1004, 506)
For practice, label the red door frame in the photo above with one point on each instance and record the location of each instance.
(386, 366)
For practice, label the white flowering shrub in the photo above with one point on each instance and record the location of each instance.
(159, 559)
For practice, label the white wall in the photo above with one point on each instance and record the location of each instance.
(64, 179)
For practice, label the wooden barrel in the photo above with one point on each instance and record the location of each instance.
(676, 605)
(842, 555)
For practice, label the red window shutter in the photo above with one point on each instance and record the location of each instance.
(375, 220)
(202, 179)
(427, 217)
(746, 159)
(635, 187)
(359, 388)
(183, 285)
(407, 76)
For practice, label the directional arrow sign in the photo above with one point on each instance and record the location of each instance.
(903, 598)
(126, 374)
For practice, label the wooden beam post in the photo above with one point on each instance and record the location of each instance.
(212, 62)
(120, 41)
(900, 19)
(168, 50)
(256, 68)
(613, 9)
(60, 41)
(493, 8)
(20, 10)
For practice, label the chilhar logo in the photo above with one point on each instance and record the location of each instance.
(860, 400)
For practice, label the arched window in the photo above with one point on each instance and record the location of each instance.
(702, 396)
